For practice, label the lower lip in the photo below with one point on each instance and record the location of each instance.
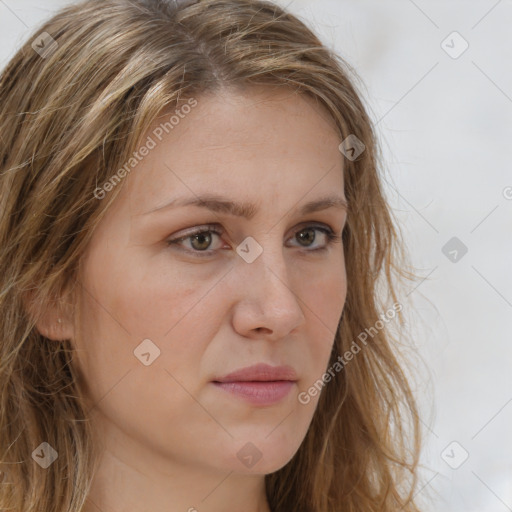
(258, 393)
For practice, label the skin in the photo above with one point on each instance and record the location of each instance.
(169, 436)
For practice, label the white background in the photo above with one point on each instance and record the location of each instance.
(446, 127)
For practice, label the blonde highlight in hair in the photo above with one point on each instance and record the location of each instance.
(67, 122)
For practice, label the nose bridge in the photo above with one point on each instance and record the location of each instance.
(265, 258)
(266, 279)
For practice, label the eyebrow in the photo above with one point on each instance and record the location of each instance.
(224, 205)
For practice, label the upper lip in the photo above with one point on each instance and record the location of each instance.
(260, 372)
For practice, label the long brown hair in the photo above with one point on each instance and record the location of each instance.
(75, 101)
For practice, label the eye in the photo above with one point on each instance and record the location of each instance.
(200, 239)
(307, 236)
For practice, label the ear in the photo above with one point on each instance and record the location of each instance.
(53, 320)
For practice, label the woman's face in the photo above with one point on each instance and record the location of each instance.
(163, 324)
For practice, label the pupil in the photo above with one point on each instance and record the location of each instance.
(202, 236)
(310, 231)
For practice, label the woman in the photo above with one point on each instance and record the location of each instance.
(193, 229)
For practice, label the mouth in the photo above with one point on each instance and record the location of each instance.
(262, 393)
(260, 384)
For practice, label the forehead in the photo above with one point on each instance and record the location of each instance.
(259, 142)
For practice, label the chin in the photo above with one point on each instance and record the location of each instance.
(262, 455)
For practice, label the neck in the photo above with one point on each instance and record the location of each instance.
(131, 479)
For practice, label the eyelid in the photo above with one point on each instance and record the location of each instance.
(219, 229)
(198, 229)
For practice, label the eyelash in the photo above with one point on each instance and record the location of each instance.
(332, 238)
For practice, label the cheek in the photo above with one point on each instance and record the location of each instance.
(154, 301)
(324, 295)
(323, 303)
(121, 308)
(144, 298)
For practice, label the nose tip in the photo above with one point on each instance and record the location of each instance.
(271, 307)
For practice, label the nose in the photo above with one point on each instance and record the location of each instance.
(267, 304)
